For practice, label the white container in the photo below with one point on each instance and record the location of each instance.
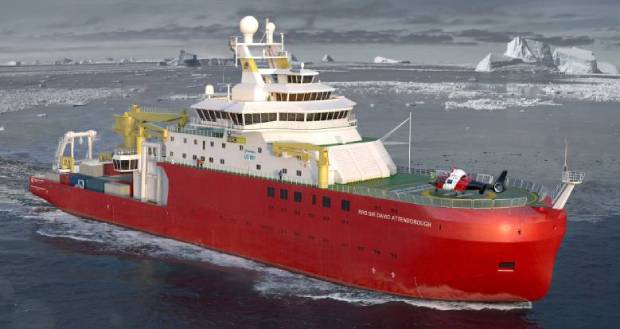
(91, 168)
(122, 190)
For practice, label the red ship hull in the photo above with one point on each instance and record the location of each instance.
(381, 245)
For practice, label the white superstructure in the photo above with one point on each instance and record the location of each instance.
(278, 105)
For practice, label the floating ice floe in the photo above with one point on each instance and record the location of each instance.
(21, 99)
(41, 115)
(1, 128)
(327, 59)
(585, 89)
(487, 104)
(529, 94)
(385, 60)
(183, 97)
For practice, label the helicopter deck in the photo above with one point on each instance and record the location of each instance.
(415, 188)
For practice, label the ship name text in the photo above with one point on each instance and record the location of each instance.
(395, 218)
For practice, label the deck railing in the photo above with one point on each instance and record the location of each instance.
(381, 193)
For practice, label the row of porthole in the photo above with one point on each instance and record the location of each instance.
(360, 248)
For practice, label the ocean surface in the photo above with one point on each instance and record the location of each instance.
(60, 271)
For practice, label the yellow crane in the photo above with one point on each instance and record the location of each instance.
(135, 126)
(302, 152)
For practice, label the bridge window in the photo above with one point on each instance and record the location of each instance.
(184, 155)
(171, 153)
(298, 172)
(204, 144)
(172, 138)
(283, 194)
(240, 147)
(223, 145)
(300, 97)
(222, 161)
(258, 167)
(271, 192)
(211, 160)
(237, 118)
(297, 196)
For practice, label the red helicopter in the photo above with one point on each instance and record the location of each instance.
(458, 181)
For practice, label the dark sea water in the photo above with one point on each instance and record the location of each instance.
(59, 271)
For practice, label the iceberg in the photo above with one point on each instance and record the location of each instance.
(493, 62)
(327, 59)
(185, 59)
(575, 61)
(529, 51)
(528, 55)
(12, 63)
(607, 68)
(64, 61)
(385, 60)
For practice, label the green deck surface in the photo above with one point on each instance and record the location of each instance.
(419, 185)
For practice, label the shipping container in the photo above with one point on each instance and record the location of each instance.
(79, 180)
(117, 189)
(95, 184)
(121, 178)
(92, 168)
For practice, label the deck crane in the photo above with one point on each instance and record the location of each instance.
(135, 126)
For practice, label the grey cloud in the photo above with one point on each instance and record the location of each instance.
(566, 41)
(564, 15)
(502, 37)
(165, 32)
(362, 36)
(424, 19)
(74, 23)
(93, 20)
(486, 21)
(489, 36)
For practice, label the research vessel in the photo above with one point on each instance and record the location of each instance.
(275, 170)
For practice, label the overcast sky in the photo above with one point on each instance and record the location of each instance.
(424, 31)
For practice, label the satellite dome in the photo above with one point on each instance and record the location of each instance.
(248, 25)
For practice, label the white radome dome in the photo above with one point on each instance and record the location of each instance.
(248, 25)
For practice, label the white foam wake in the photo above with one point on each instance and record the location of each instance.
(272, 282)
